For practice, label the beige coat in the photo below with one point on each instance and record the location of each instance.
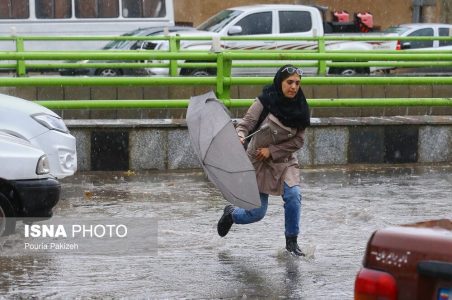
(282, 141)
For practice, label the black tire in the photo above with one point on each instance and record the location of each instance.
(203, 72)
(109, 72)
(199, 72)
(349, 71)
(7, 216)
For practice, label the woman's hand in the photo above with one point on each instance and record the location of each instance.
(241, 137)
(262, 153)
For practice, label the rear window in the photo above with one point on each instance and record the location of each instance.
(445, 32)
(294, 21)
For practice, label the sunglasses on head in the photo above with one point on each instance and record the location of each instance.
(292, 70)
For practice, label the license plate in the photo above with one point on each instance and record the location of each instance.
(445, 294)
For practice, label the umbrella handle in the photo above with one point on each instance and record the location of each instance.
(265, 126)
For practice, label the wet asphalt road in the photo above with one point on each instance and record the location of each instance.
(341, 207)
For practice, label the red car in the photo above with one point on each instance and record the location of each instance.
(408, 262)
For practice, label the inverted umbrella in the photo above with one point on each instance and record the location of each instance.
(218, 148)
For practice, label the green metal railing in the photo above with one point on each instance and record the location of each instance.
(223, 84)
(224, 61)
(319, 43)
(237, 103)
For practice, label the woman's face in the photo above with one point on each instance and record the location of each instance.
(290, 85)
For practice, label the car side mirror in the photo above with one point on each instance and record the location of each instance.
(234, 30)
(406, 45)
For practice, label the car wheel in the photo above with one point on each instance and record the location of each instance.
(202, 72)
(108, 72)
(7, 216)
(198, 72)
(348, 71)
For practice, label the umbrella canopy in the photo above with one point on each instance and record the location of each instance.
(220, 152)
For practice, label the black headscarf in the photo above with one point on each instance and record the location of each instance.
(291, 112)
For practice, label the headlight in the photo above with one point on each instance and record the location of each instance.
(43, 166)
(51, 122)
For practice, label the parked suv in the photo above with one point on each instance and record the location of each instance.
(26, 188)
(43, 129)
(410, 262)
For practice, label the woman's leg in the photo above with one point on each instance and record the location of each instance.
(232, 214)
(292, 209)
(243, 216)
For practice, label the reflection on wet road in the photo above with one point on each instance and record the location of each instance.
(341, 208)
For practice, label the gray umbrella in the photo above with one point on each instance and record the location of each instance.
(220, 152)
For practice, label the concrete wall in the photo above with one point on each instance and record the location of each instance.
(140, 139)
(445, 11)
(164, 144)
(240, 92)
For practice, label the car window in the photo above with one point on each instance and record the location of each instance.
(445, 32)
(51, 9)
(294, 21)
(258, 23)
(421, 44)
(117, 44)
(217, 22)
(397, 29)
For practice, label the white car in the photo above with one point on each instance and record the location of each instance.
(43, 129)
(26, 188)
(422, 29)
(139, 45)
(264, 21)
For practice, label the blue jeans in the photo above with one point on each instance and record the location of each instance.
(292, 210)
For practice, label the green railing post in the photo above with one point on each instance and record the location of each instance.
(174, 46)
(224, 68)
(20, 67)
(322, 62)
